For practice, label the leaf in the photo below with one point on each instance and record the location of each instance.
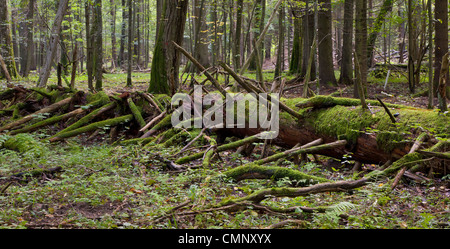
(136, 191)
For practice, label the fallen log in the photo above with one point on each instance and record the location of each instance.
(371, 138)
(263, 194)
(92, 127)
(29, 117)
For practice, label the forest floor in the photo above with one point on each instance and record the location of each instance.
(104, 186)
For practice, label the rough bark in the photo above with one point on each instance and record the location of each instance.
(325, 46)
(346, 76)
(166, 60)
(6, 44)
(53, 43)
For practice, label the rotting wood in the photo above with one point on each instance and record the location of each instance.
(260, 195)
(136, 113)
(417, 143)
(93, 126)
(89, 117)
(221, 148)
(29, 117)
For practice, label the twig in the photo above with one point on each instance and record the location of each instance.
(153, 121)
(387, 111)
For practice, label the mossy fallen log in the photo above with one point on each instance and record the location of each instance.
(255, 171)
(371, 136)
(263, 194)
(48, 109)
(86, 119)
(221, 148)
(136, 113)
(24, 143)
(94, 126)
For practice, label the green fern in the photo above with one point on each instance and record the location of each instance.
(339, 208)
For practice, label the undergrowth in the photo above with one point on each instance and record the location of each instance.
(106, 186)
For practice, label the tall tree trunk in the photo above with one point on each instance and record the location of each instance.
(325, 45)
(308, 31)
(89, 46)
(346, 61)
(130, 43)
(258, 19)
(53, 43)
(113, 34)
(376, 28)
(121, 57)
(295, 63)
(166, 58)
(360, 47)
(200, 35)
(26, 47)
(440, 40)
(6, 44)
(98, 44)
(280, 51)
(237, 36)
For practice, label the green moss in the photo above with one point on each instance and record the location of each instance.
(109, 122)
(136, 113)
(100, 98)
(273, 172)
(25, 143)
(341, 122)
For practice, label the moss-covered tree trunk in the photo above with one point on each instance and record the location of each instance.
(6, 45)
(371, 138)
(166, 58)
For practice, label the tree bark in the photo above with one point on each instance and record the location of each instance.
(166, 58)
(237, 37)
(346, 76)
(130, 42)
(6, 43)
(385, 9)
(53, 43)
(326, 66)
(440, 40)
(360, 47)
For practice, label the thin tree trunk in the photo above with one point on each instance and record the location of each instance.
(53, 43)
(440, 40)
(346, 62)
(130, 42)
(360, 47)
(6, 50)
(237, 37)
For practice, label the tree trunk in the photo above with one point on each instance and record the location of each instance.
(53, 43)
(166, 58)
(376, 28)
(237, 37)
(89, 45)
(113, 34)
(346, 76)
(371, 138)
(325, 45)
(360, 47)
(280, 51)
(26, 47)
(295, 63)
(308, 31)
(6, 43)
(121, 58)
(440, 40)
(130, 43)
(97, 44)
